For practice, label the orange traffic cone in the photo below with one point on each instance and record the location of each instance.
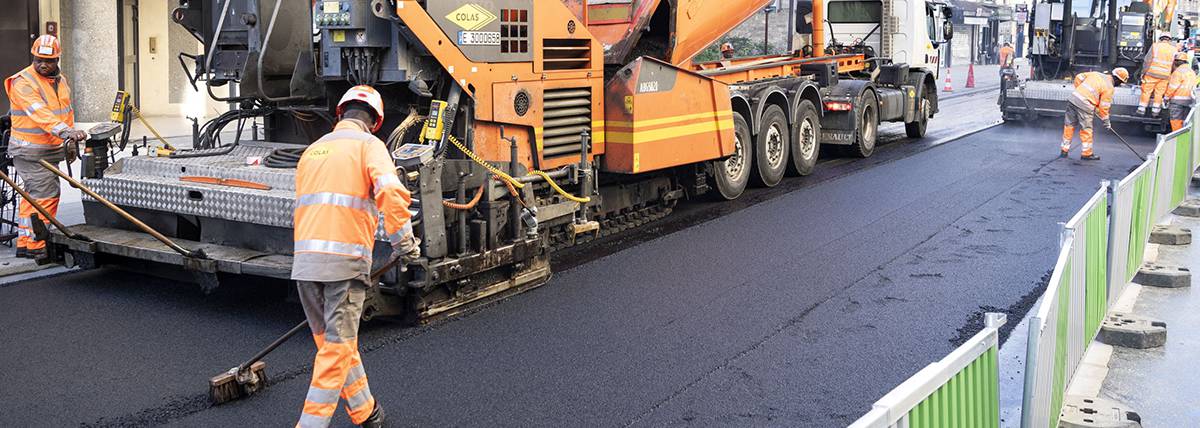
(949, 86)
(970, 76)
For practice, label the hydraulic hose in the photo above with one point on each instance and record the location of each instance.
(467, 206)
(512, 182)
(283, 158)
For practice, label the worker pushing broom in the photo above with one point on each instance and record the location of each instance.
(1092, 97)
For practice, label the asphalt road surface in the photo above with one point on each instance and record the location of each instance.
(796, 306)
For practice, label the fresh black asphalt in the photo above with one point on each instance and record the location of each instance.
(798, 306)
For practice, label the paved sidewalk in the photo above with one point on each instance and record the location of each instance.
(1163, 384)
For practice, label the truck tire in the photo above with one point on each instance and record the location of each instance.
(730, 175)
(771, 147)
(916, 128)
(806, 139)
(866, 111)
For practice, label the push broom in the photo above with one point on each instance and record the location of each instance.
(250, 377)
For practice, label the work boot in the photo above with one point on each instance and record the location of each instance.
(376, 418)
(1092, 156)
(1141, 111)
(1155, 111)
(1063, 154)
(39, 253)
(22, 253)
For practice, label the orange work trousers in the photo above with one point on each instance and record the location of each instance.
(42, 185)
(1077, 118)
(1153, 86)
(333, 310)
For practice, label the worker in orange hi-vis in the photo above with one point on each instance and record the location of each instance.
(1007, 55)
(1092, 97)
(42, 119)
(1179, 91)
(1156, 71)
(345, 182)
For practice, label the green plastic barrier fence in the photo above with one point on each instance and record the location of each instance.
(961, 390)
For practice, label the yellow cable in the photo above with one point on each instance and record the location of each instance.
(559, 189)
(507, 178)
(488, 166)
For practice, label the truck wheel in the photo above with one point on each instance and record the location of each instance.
(916, 129)
(806, 139)
(731, 175)
(771, 147)
(868, 126)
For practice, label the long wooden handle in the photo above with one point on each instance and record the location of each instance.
(76, 184)
(36, 205)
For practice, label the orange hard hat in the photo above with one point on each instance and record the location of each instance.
(367, 95)
(1121, 73)
(46, 47)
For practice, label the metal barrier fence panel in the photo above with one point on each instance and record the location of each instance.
(1183, 164)
(1164, 186)
(1129, 226)
(1046, 351)
(960, 390)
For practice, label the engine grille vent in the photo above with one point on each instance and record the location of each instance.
(566, 54)
(566, 114)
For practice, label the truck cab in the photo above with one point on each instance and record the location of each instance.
(911, 32)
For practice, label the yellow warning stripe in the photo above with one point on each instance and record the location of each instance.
(639, 137)
(719, 115)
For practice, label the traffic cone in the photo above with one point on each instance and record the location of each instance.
(970, 76)
(949, 87)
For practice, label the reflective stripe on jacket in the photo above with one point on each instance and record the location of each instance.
(1159, 60)
(1181, 85)
(1093, 93)
(41, 110)
(344, 181)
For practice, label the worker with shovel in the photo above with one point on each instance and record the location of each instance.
(344, 182)
(42, 119)
(1092, 97)
(1179, 90)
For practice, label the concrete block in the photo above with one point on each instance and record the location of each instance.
(1132, 331)
(1091, 412)
(1170, 235)
(1156, 275)
(1188, 208)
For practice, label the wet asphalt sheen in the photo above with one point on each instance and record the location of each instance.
(798, 307)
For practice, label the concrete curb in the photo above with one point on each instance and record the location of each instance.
(15, 266)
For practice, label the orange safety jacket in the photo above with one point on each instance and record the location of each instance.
(1093, 93)
(40, 109)
(1006, 56)
(1181, 85)
(1159, 60)
(343, 182)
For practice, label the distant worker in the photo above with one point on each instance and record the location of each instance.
(1179, 90)
(344, 181)
(42, 118)
(1157, 70)
(727, 51)
(1092, 97)
(1007, 55)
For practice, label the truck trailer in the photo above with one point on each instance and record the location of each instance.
(520, 126)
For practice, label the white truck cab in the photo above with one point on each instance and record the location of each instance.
(907, 31)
